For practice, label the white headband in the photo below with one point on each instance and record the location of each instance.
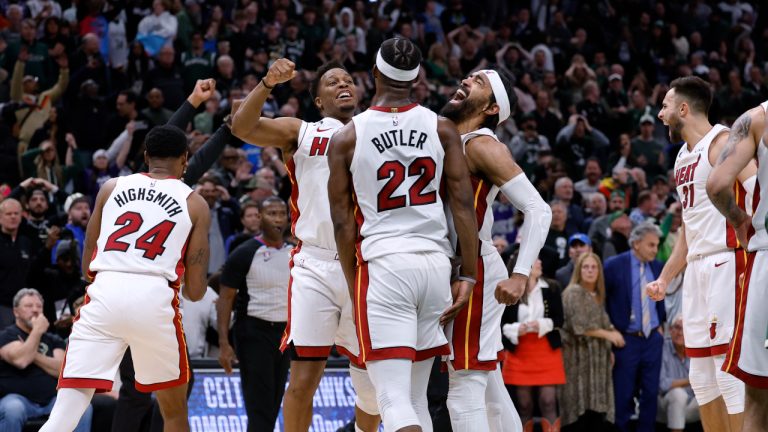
(394, 73)
(499, 92)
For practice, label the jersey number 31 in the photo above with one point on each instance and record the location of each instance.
(423, 167)
(151, 242)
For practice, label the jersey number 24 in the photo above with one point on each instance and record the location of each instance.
(151, 242)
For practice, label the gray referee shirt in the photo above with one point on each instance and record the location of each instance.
(260, 273)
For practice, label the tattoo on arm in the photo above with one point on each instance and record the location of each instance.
(198, 257)
(739, 131)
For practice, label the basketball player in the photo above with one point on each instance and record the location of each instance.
(707, 245)
(147, 231)
(386, 170)
(483, 100)
(747, 357)
(319, 309)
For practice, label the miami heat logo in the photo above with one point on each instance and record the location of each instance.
(712, 330)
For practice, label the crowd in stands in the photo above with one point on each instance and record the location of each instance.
(81, 83)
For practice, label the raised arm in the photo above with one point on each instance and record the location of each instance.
(198, 251)
(493, 159)
(342, 148)
(737, 152)
(249, 126)
(203, 91)
(94, 226)
(456, 176)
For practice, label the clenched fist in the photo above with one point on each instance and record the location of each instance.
(282, 70)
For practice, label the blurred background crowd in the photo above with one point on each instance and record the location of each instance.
(82, 81)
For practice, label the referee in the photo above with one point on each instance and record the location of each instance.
(257, 274)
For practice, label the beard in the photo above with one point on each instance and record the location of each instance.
(464, 110)
(675, 131)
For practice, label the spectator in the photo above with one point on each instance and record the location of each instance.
(30, 367)
(165, 77)
(85, 111)
(547, 122)
(197, 63)
(125, 105)
(16, 255)
(32, 53)
(159, 28)
(586, 399)
(37, 107)
(591, 181)
(197, 319)
(600, 231)
(564, 194)
(534, 360)
(223, 218)
(647, 205)
(646, 150)
(640, 320)
(620, 228)
(59, 282)
(596, 208)
(527, 145)
(43, 163)
(258, 273)
(156, 112)
(578, 244)
(250, 219)
(677, 404)
(78, 210)
(576, 142)
(557, 238)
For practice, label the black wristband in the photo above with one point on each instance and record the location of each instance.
(264, 83)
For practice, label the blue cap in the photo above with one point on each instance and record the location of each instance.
(581, 237)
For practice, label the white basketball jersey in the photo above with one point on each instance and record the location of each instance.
(145, 226)
(484, 193)
(759, 241)
(396, 173)
(706, 230)
(308, 171)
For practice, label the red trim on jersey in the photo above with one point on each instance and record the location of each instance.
(707, 351)
(180, 267)
(466, 327)
(482, 189)
(361, 311)
(394, 110)
(731, 364)
(352, 358)
(91, 275)
(293, 201)
(101, 386)
(740, 195)
(428, 353)
(183, 360)
(287, 333)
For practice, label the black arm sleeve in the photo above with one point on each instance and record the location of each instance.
(205, 157)
(183, 116)
(238, 264)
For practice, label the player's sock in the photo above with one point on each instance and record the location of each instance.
(69, 407)
(419, 382)
(502, 415)
(392, 380)
(466, 400)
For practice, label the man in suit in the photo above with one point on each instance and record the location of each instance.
(639, 319)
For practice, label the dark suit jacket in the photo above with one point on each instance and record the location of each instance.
(553, 309)
(618, 290)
